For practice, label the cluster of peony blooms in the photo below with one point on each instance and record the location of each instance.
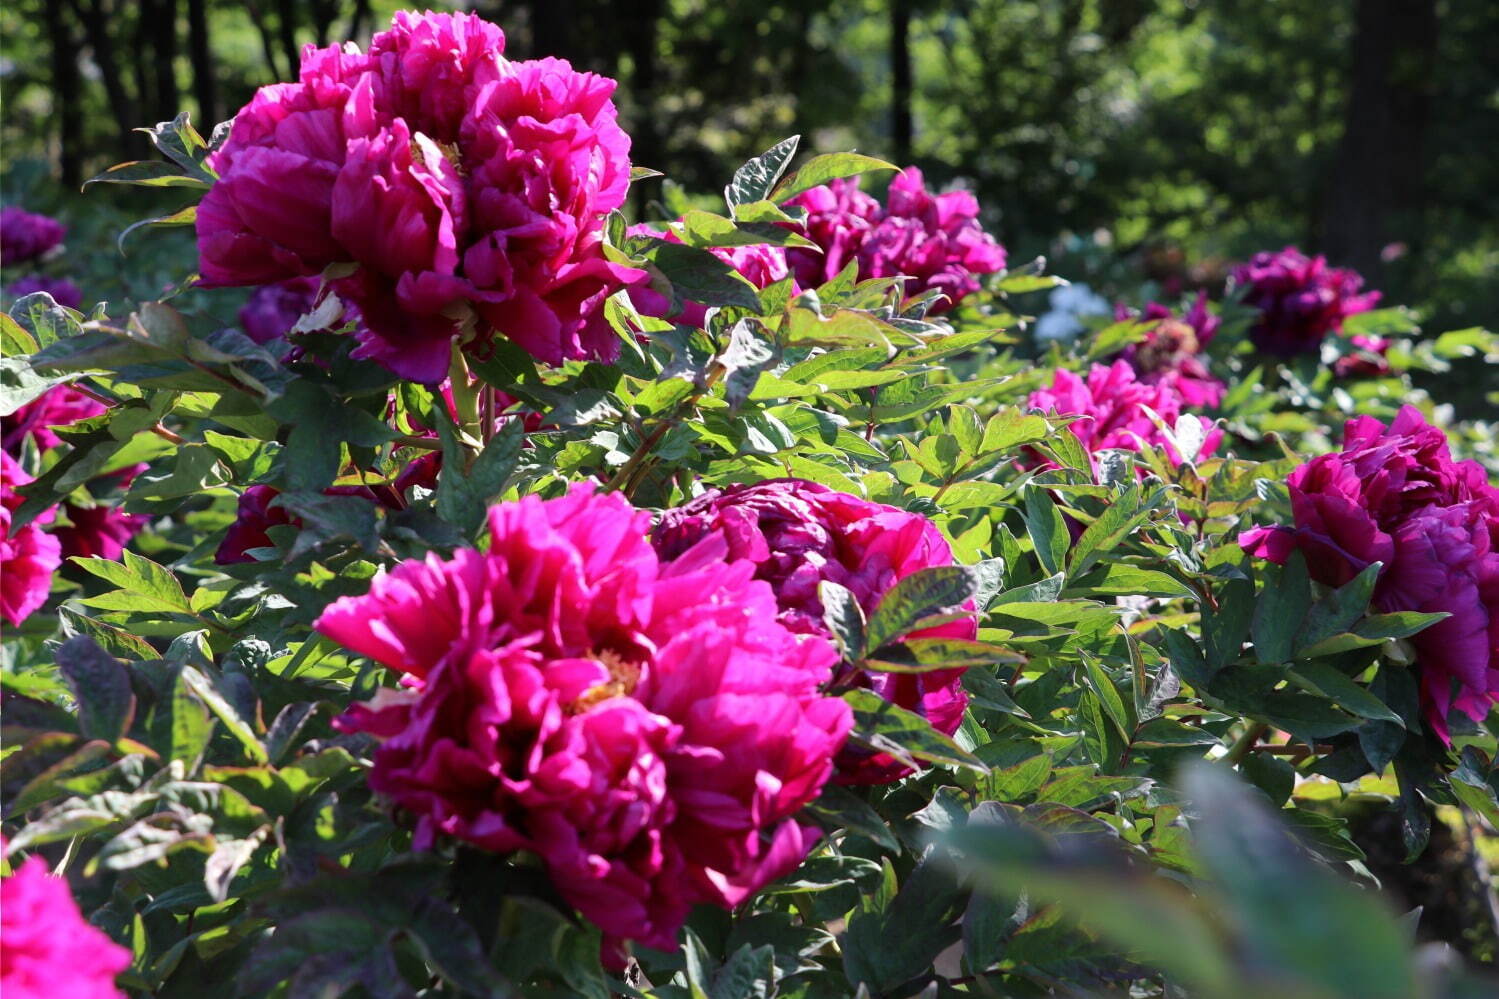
(1112, 401)
(934, 241)
(645, 711)
(761, 264)
(47, 950)
(443, 190)
(29, 555)
(1394, 495)
(1301, 300)
(1171, 352)
(27, 236)
(798, 533)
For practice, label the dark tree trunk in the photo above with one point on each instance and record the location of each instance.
(205, 83)
(139, 52)
(267, 41)
(286, 21)
(96, 20)
(359, 20)
(164, 41)
(640, 41)
(900, 81)
(66, 89)
(1374, 194)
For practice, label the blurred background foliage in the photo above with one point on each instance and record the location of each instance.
(1129, 140)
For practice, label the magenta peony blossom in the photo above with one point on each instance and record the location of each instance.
(646, 728)
(101, 531)
(26, 235)
(1394, 495)
(47, 949)
(1171, 352)
(28, 555)
(254, 517)
(799, 533)
(1366, 359)
(60, 406)
(460, 193)
(1112, 401)
(274, 309)
(63, 291)
(761, 264)
(1301, 300)
(935, 240)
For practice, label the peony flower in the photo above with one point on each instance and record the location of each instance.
(274, 309)
(1171, 351)
(28, 555)
(63, 291)
(26, 235)
(644, 727)
(1112, 401)
(101, 531)
(461, 194)
(1301, 300)
(60, 406)
(1395, 496)
(47, 949)
(934, 240)
(799, 533)
(761, 264)
(254, 517)
(1365, 360)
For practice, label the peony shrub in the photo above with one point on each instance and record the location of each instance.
(590, 610)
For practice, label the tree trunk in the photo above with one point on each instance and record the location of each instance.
(286, 21)
(164, 41)
(267, 43)
(1374, 193)
(96, 20)
(640, 41)
(66, 99)
(205, 83)
(900, 81)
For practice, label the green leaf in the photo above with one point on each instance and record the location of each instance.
(891, 940)
(464, 495)
(1320, 678)
(101, 686)
(840, 808)
(921, 594)
(698, 276)
(208, 692)
(1285, 596)
(148, 173)
(844, 619)
(1336, 612)
(756, 179)
(1118, 520)
(821, 169)
(1010, 428)
(1048, 531)
(20, 383)
(905, 735)
(143, 585)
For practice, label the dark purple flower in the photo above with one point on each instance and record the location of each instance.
(63, 291)
(1171, 352)
(26, 236)
(274, 309)
(1301, 300)
(1395, 496)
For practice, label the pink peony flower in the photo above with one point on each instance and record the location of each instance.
(935, 240)
(274, 309)
(1366, 360)
(63, 291)
(761, 264)
(1395, 496)
(28, 555)
(1171, 352)
(466, 192)
(799, 533)
(26, 235)
(47, 949)
(60, 406)
(1301, 300)
(644, 727)
(1112, 401)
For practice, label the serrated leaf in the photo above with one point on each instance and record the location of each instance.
(821, 169)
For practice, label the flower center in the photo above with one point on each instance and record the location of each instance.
(624, 676)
